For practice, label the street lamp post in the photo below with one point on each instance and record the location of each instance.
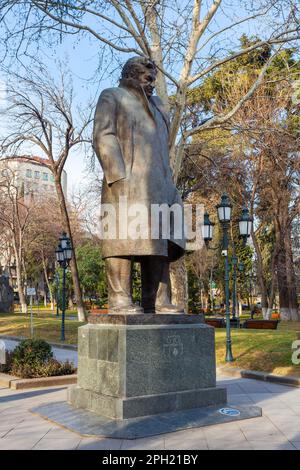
(234, 290)
(57, 292)
(245, 226)
(224, 215)
(63, 257)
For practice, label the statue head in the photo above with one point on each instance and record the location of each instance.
(141, 70)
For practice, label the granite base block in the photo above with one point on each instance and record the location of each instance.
(132, 407)
(87, 423)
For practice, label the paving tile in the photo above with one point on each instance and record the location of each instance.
(144, 444)
(272, 435)
(238, 446)
(254, 387)
(4, 432)
(291, 433)
(233, 388)
(223, 427)
(269, 445)
(239, 399)
(87, 443)
(277, 388)
(39, 432)
(190, 439)
(263, 399)
(186, 434)
(254, 423)
(57, 444)
(59, 433)
(17, 443)
(294, 408)
(190, 444)
(227, 444)
(224, 434)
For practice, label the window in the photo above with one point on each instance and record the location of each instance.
(52, 178)
(45, 176)
(28, 173)
(37, 174)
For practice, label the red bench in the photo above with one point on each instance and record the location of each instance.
(261, 324)
(216, 322)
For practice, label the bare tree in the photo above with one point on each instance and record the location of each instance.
(15, 223)
(184, 39)
(41, 114)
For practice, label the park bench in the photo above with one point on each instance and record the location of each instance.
(261, 324)
(96, 310)
(216, 322)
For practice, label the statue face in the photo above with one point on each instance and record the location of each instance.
(147, 81)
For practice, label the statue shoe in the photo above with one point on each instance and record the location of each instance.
(126, 309)
(169, 308)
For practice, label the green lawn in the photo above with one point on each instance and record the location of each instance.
(264, 350)
(46, 326)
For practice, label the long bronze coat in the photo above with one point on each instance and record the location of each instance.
(131, 135)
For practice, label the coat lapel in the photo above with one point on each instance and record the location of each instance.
(134, 87)
(161, 110)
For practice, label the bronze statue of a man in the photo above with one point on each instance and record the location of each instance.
(131, 140)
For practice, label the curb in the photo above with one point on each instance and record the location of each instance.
(16, 383)
(72, 347)
(257, 375)
(6, 380)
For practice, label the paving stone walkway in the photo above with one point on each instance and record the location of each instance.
(278, 428)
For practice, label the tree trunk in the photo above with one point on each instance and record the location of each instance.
(73, 263)
(291, 278)
(272, 291)
(285, 269)
(261, 277)
(20, 285)
(48, 283)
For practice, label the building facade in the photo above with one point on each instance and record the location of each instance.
(34, 175)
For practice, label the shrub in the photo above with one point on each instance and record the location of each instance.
(32, 350)
(34, 358)
(54, 367)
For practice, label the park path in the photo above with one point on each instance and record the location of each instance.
(278, 428)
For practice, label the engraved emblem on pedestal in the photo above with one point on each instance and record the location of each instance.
(173, 349)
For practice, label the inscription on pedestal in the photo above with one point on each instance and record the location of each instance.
(174, 348)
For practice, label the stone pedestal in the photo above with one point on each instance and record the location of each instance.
(139, 365)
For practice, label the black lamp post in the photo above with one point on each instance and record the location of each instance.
(234, 290)
(57, 291)
(224, 214)
(63, 257)
(207, 229)
(245, 224)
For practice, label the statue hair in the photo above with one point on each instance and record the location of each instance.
(135, 66)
